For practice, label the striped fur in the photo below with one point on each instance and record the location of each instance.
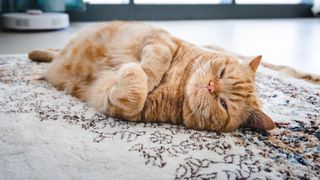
(141, 73)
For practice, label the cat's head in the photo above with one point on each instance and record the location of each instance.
(220, 95)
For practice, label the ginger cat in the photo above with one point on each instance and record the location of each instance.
(141, 73)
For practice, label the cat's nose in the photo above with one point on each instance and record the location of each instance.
(211, 87)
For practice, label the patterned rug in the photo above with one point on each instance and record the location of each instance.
(47, 134)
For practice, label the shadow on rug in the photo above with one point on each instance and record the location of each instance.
(47, 134)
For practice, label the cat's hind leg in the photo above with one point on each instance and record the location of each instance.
(121, 93)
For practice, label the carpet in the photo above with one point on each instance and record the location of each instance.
(47, 134)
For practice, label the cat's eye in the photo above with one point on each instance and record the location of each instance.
(223, 103)
(222, 73)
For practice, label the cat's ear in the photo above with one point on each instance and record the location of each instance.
(254, 63)
(259, 120)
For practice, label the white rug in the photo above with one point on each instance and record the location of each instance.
(47, 134)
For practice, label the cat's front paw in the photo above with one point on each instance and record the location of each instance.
(132, 75)
(128, 70)
(129, 93)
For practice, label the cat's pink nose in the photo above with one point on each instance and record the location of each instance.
(211, 87)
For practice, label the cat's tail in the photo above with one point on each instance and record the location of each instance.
(313, 78)
(43, 55)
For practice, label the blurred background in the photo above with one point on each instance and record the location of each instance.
(93, 10)
(285, 32)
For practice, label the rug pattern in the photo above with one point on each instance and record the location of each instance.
(290, 151)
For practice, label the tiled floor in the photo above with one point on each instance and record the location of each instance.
(292, 42)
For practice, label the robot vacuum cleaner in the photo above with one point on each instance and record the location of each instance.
(35, 20)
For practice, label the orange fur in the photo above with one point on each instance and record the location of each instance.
(142, 73)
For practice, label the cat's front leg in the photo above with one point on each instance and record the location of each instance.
(125, 95)
(155, 61)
